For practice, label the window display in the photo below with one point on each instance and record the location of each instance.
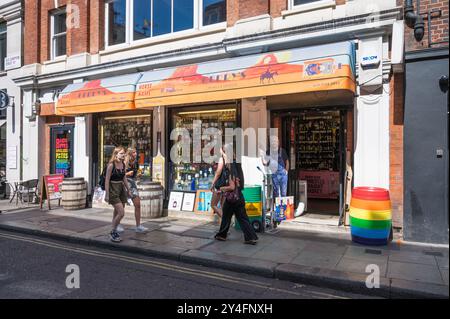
(198, 176)
(127, 131)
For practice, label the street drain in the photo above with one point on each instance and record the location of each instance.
(373, 251)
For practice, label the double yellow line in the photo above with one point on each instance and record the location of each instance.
(161, 265)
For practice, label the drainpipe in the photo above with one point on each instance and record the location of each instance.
(414, 20)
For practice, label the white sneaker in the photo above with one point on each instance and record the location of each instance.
(120, 229)
(141, 229)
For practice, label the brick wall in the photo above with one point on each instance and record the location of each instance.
(439, 26)
(37, 28)
(242, 9)
(396, 148)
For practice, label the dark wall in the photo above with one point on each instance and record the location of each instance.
(426, 132)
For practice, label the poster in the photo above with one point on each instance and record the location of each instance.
(321, 184)
(62, 155)
(203, 201)
(188, 202)
(175, 201)
(284, 208)
(51, 188)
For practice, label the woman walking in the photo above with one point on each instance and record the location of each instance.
(220, 179)
(235, 202)
(116, 187)
(132, 173)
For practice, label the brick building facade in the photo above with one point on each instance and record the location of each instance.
(250, 27)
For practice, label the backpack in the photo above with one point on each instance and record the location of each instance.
(102, 179)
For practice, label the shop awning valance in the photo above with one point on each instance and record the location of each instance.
(319, 68)
(109, 94)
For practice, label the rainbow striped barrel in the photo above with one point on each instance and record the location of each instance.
(370, 215)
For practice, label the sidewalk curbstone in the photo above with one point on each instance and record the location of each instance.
(239, 264)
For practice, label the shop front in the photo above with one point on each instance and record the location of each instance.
(218, 95)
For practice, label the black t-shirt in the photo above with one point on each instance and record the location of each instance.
(133, 168)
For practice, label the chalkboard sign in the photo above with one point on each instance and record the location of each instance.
(51, 188)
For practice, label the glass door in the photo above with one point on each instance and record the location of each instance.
(61, 151)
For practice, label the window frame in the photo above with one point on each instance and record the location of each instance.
(129, 29)
(127, 25)
(209, 26)
(54, 36)
(5, 33)
(318, 3)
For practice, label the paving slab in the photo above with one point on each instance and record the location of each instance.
(414, 272)
(12, 216)
(360, 265)
(412, 257)
(325, 248)
(317, 259)
(372, 254)
(276, 256)
(442, 262)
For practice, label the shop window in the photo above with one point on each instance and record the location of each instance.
(2, 45)
(194, 176)
(131, 131)
(58, 34)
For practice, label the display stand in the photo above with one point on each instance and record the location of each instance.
(51, 189)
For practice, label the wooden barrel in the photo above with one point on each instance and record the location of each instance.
(74, 192)
(370, 215)
(152, 199)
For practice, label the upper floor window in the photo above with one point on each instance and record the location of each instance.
(58, 34)
(2, 45)
(131, 20)
(300, 2)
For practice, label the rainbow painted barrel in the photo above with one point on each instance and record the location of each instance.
(370, 215)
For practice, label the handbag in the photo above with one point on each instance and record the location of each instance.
(232, 197)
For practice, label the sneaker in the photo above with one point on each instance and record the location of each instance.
(141, 229)
(120, 229)
(250, 242)
(115, 237)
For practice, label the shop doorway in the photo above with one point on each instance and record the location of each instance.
(315, 141)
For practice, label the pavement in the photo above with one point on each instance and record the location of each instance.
(319, 258)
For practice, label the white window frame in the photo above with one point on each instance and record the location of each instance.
(317, 4)
(53, 36)
(6, 37)
(209, 26)
(127, 25)
(129, 30)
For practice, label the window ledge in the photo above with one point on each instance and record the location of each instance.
(165, 38)
(59, 59)
(3, 73)
(309, 7)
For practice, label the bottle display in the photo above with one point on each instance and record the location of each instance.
(317, 142)
(199, 176)
(134, 132)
